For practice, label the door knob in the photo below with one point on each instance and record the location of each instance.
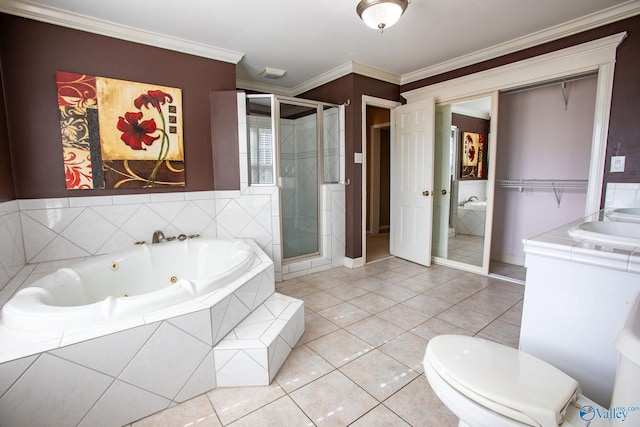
(425, 193)
(444, 192)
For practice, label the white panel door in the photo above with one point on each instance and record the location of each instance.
(412, 181)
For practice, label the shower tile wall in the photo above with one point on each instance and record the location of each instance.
(331, 141)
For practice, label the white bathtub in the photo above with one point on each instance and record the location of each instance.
(115, 371)
(137, 282)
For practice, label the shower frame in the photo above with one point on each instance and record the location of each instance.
(275, 102)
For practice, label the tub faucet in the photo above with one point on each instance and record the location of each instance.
(158, 236)
(470, 199)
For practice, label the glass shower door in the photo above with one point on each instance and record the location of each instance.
(299, 178)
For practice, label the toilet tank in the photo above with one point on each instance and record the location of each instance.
(626, 389)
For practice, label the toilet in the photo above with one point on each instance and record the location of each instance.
(487, 384)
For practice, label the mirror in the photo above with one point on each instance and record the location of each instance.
(460, 180)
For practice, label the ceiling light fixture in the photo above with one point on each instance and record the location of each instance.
(381, 14)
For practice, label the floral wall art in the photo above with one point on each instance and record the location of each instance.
(473, 156)
(120, 134)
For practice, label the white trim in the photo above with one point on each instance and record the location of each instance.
(604, 92)
(353, 262)
(597, 19)
(331, 75)
(344, 70)
(77, 21)
(469, 112)
(264, 88)
(572, 60)
(597, 55)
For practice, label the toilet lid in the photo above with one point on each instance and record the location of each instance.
(505, 380)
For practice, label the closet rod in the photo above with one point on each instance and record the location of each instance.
(555, 184)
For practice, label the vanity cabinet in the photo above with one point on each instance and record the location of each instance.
(577, 296)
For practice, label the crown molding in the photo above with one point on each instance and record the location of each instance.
(343, 70)
(264, 88)
(469, 112)
(572, 60)
(76, 21)
(587, 22)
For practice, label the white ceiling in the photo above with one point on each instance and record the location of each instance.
(316, 40)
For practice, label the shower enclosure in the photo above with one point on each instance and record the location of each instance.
(294, 144)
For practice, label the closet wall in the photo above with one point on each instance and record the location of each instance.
(538, 138)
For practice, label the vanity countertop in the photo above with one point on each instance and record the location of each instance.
(558, 244)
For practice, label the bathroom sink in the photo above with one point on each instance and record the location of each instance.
(610, 233)
(624, 214)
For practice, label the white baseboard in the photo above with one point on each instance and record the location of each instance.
(353, 262)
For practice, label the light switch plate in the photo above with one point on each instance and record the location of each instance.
(357, 157)
(617, 163)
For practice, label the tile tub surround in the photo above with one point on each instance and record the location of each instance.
(359, 361)
(115, 375)
(41, 230)
(471, 221)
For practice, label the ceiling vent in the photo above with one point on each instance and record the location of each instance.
(272, 73)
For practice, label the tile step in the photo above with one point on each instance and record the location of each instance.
(253, 352)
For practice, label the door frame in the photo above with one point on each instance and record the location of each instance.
(597, 55)
(390, 105)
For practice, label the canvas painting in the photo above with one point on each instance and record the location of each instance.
(472, 161)
(120, 134)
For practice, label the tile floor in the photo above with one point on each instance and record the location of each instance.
(359, 361)
(466, 248)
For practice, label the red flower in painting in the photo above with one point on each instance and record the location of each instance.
(153, 97)
(134, 134)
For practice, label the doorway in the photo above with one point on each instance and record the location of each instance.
(376, 178)
(378, 192)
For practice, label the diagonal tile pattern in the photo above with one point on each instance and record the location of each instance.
(359, 361)
(43, 230)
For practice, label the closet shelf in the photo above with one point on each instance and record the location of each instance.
(554, 184)
(542, 183)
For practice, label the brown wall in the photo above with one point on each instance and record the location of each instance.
(7, 191)
(224, 139)
(352, 87)
(31, 54)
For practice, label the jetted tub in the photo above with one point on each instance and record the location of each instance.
(142, 280)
